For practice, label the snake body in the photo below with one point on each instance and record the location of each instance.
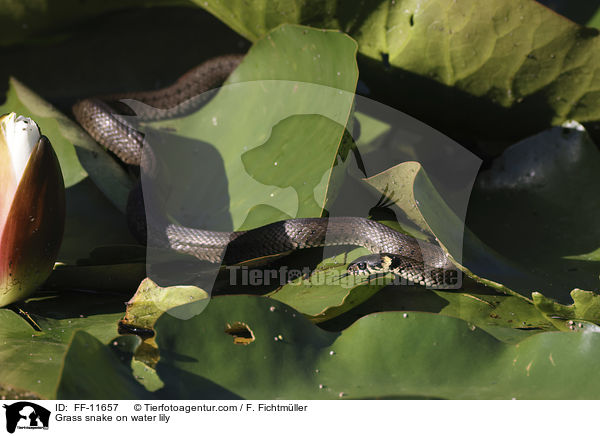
(100, 116)
(418, 261)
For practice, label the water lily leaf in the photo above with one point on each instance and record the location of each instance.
(385, 354)
(146, 376)
(116, 277)
(528, 205)
(506, 68)
(151, 301)
(33, 351)
(585, 309)
(482, 308)
(422, 212)
(595, 20)
(248, 149)
(324, 293)
(275, 163)
(8, 392)
(92, 221)
(93, 370)
(418, 200)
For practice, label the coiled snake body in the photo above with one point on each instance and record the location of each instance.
(417, 261)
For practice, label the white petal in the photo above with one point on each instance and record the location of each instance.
(21, 134)
(572, 124)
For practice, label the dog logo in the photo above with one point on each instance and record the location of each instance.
(26, 415)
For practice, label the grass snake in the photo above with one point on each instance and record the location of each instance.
(418, 261)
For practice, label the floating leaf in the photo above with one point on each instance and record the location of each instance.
(151, 301)
(497, 69)
(267, 107)
(32, 352)
(98, 371)
(382, 355)
(585, 309)
(536, 206)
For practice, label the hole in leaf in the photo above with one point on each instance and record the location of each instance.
(385, 58)
(242, 335)
(588, 32)
(130, 329)
(412, 20)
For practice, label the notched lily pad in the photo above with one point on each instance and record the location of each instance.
(151, 301)
(146, 306)
(584, 312)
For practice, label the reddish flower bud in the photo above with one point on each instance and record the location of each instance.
(32, 208)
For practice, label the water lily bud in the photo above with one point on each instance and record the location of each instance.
(32, 208)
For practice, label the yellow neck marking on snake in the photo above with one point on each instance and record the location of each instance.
(386, 263)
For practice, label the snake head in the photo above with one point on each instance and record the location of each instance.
(370, 264)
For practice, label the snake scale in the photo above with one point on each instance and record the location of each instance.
(418, 261)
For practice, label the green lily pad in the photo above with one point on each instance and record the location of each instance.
(584, 310)
(324, 293)
(295, 81)
(419, 202)
(93, 370)
(116, 277)
(482, 308)
(32, 352)
(151, 301)
(536, 207)
(387, 354)
(423, 213)
(506, 68)
(595, 20)
(285, 148)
